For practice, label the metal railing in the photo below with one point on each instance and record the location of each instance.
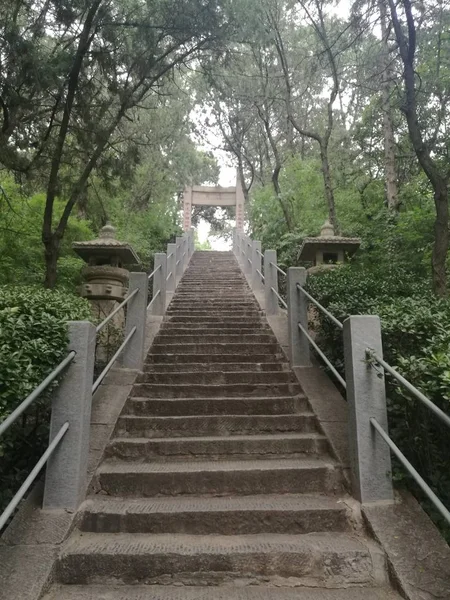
(66, 473)
(364, 384)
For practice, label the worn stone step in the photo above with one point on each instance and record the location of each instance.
(213, 327)
(217, 447)
(220, 478)
(270, 348)
(192, 358)
(164, 337)
(235, 320)
(223, 592)
(289, 513)
(336, 559)
(212, 313)
(151, 427)
(216, 406)
(226, 390)
(198, 367)
(218, 378)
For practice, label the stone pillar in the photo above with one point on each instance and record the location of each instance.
(370, 458)
(248, 256)
(159, 284)
(271, 281)
(171, 267)
(65, 478)
(133, 353)
(179, 259)
(240, 203)
(185, 251)
(187, 209)
(257, 283)
(297, 313)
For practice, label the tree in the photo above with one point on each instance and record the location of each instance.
(98, 60)
(431, 150)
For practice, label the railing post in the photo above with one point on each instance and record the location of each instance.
(370, 458)
(133, 353)
(179, 259)
(159, 284)
(191, 243)
(256, 266)
(235, 238)
(239, 246)
(185, 252)
(171, 283)
(271, 281)
(65, 478)
(297, 313)
(242, 250)
(248, 256)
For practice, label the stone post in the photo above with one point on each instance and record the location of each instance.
(185, 252)
(65, 478)
(191, 243)
(235, 234)
(297, 313)
(133, 353)
(257, 283)
(271, 281)
(179, 259)
(248, 256)
(370, 458)
(159, 284)
(171, 267)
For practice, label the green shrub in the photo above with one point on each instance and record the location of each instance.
(33, 340)
(416, 341)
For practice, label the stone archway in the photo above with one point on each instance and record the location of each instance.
(200, 195)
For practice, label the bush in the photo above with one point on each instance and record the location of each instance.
(416, 341)
(33, 340)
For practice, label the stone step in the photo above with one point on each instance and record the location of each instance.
(223, 592)
(203, 515)
(216, 406)
(220, 478)
(270, 348)
(185, 425)
(213, 327)
(212, 313)
(334, 560)
(228, 390)
(217, 447)
(211, 338)
(188, 359)
(218, 320)
(198, 367)
(217, 378)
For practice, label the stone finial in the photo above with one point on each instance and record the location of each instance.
(327, 229)
(107, 232)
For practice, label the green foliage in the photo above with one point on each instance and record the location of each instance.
(416, 341)
(33, 340)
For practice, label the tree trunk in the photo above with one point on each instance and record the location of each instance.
(284, 208)
(441, 240)
(390, 167)
(51, 256)
(328, 186)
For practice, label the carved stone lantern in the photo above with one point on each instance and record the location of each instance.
(105, 282)
(328, 250)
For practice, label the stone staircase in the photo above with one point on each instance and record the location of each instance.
(218, 483)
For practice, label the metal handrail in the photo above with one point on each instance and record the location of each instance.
(278, 269)
(279, 297)
(249, 261)
(178, 262)
(36, 392)
(417, 393)
(408, 466)
(153, 299)
(322, 356)
(153, 272)
(261, 275)
(169, 276)
(322, 308)
(106, 370)
(169, 255)
(260, 253)
(116, 310)
(6, 514)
